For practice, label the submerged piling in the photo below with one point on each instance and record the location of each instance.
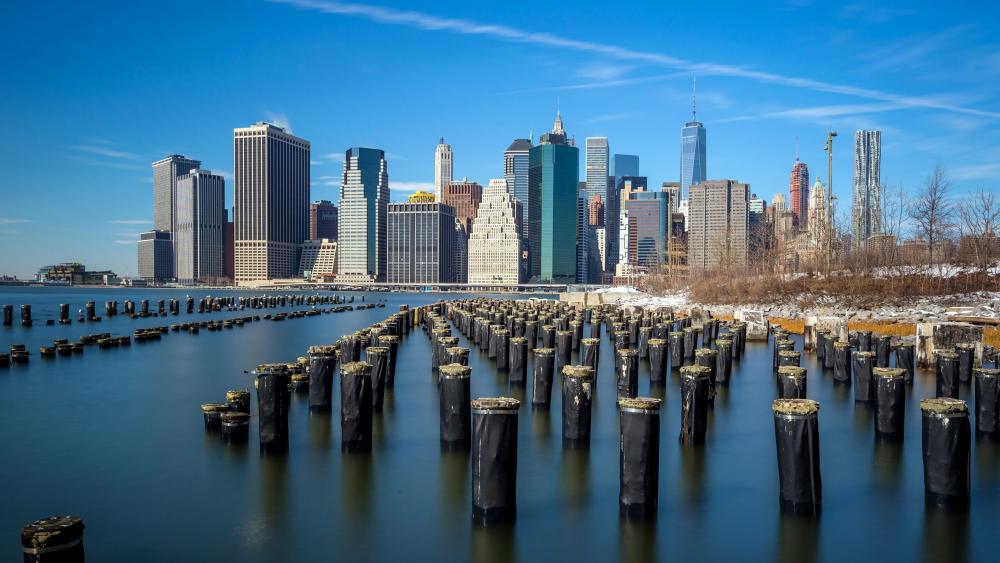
(724, 361)
(791, 382)
(238, 400)
(694, 404)
(494, 460)
(890, 403)
(577, 396)
(842, 363)
(356, 406)
(966, 361)
(212, 413)
(455, 410)
(658, 360)
(905, 359)
(796, 434)
(864, 387)
(235, 427)
(518, 360)
(638, 456)
(676, 350)
(987, 393)
(627, 380)
(590, 353)
(541, 386)
(272, 408)
(946, 375)
(378, 357)
(946, 441)
(322, 363)
(883, 348)
(58, 539)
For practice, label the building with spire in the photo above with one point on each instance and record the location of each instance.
(494, 246)
(693, 165)
(798, 192)
(442, 168)
(553, 178)
(817, 211)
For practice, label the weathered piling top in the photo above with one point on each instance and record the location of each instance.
(454, 371)
(582, 372)
(360, 369)
(494, 404)
(695, 372)
(943, 406)
(795, 372)
(646, 404)
(545, 351)
(324, 350)
(797, 407)
(889, 372)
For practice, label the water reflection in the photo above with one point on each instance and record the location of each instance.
(455, 481)
(841, 393)
(693, 475)
(888, 459)
(798, 538)
(987, 460)
(274, 488)
(320, 430)
(658, 390)
(864, 419)
(637, 540)
(494, 544)
(576, 477)
(541, 425)
(356, 488)
(945, 536)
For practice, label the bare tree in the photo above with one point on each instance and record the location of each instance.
(980, 220)
(932, 211)
(893, 219)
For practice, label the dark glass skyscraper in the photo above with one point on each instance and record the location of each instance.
(553, 178)
(693, 165)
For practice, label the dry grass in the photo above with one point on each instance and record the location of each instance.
(991, 336)
(885, 328)
(794, 326)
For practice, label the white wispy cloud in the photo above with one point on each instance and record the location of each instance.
(131, 222)
(332, 181)
(109, 152)
(430, 22)
(411, 186)
(124, 241)
(226, 175)
(604, 71)
(987, 171)
(280, 119)
(119, 165)
(599, 84)
(610, 117)
(818, 113)
(916, 50)
(13, 221)
(873, 13)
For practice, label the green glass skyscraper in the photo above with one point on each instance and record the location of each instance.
(553, 178)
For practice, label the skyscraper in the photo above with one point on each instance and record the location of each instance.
(625, 165)
(595, 211)
(596, 165)
(866, 199)
(464, 198)
(693, 164)
(798, 191)
(442, 168)
(156, 256)
(515, 171)
(649, 220)
(364, 201)
(495, 242)
(165, 173)
(420, 247)
(674, 191)
(271, 177)
(817, 211)
(200, 238)
(583, 254)
(322, 220)
(717, 224)
(553, 175)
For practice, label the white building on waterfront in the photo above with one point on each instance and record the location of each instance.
(495, 243)
(319, 258)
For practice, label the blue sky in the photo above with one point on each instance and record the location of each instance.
(94, 92)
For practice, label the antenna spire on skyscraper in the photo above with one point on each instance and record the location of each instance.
(796, 147)
(694, 91)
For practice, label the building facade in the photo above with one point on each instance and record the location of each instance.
(200, 238)
(420, 247)
(595, 211)
(866, 197)
(156, 256)
(319, 259)
(596, 167)
(322, 220)
(515, 171)
(718, 222)
(463, 197)
(798, 192)
(817, 211)
(553, 177)
(649, 220)
(271, 177)
(442, 168)
(495, 241)
(165, 173)
(363, 209)
(625, 165)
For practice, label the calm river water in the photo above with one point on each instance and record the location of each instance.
(116, 436)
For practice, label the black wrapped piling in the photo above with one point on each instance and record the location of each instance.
(883, 348)
(26, 315)
(830, 351)
(781, 345)
(821, 347)
(890, 403)
(212, 412)
(548, 336)
(541, 385)
(64, 314)
(638, 457)
(620, 339)
(645, 333)
(789, 358)
(531, 333)
(695, 388)
(272, 408)
(724, 361)
(91, 308)
(576, 327)
(690, 342)
(322, 363)
(627, 373)
(987, 394)
(708, 358)
(865, 341)
(590, 353)
(378, 357)
(946, 375)
(658, 360)
(456, 355)
(391, 341)
(796, 434)
(356, 406)
(235, 427)
(564, 348)
(842, 363)
(676, 350)
(946, 440)
(966, 361)
(577, 397)
(350, 350)
(455, 406)
(238, 400)
(58, 539)
(440, 349)
(494, 460)
(791, 382)
(518, 360)
(502, 339)
(864, 387)
(8, 315)
(905, 359)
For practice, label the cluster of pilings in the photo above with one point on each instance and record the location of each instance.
(367, 361)
(144, 308)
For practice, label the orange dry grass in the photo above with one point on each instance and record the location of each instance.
(794, 326)
(991, 336)
(888, 328)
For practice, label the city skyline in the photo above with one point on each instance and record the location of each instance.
(95, 145)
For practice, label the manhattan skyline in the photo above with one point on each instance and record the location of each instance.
(103, 93)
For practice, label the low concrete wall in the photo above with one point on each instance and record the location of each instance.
(756, 321)
(814, 324)
(944, 336)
